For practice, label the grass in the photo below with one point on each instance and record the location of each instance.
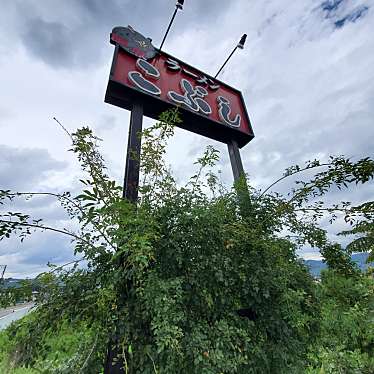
(6, 366)
(62, 351)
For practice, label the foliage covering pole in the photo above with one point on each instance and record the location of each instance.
(185, 261)
(114, 363)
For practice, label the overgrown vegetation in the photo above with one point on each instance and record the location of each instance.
(195, 278)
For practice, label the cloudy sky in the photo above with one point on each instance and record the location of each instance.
(307, 75)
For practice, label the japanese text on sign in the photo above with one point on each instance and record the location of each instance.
(188, 96)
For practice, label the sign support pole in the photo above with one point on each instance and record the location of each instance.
(238, 171)
(235, 159)
(131, 180)
(113, 364)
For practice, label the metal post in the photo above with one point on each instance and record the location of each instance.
(227, 60)
(240, 181)
(113, 363)
(131, 180)
(240, 46)
(178, 6)
(168, 29)
(235, 159)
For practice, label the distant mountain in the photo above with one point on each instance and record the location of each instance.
(316, 266)
(11, 282)
(16, 282)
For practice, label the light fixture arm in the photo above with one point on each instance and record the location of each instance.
(240, 45)
(178, 6)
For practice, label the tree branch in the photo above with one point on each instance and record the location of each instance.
(289, 175)
(58, 196)
(76, 237)
(68, 263)
(89, 355)
(61, 125)
(90, 162)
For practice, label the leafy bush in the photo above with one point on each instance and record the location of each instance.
(346, 342)
(194, 278)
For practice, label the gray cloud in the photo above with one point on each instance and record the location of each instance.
(22, 169)
(50, 248)
(30, 257)
(106, 123)
(50, 41)
(75, 33)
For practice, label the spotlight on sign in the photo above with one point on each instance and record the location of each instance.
(242, 41)
(180, 4)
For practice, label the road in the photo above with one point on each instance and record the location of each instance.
(8, 315)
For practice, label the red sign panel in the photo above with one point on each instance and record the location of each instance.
(208, 106)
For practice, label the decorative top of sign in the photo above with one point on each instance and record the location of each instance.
(133, 42)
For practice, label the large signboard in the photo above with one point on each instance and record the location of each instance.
(142, 73)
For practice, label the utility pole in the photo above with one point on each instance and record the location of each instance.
(2, 272)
